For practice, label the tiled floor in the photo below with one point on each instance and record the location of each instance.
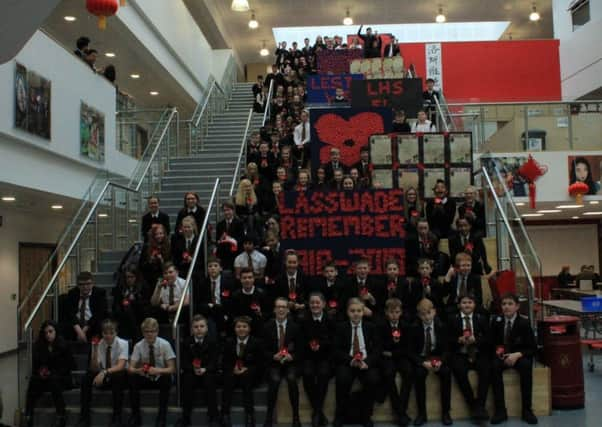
(591, 416)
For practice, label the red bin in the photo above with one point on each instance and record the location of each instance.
(562, 353)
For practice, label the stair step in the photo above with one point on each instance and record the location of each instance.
(103, 278)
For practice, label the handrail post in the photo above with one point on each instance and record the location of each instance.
(241, 153)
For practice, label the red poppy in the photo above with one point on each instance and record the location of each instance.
(332, 303)
(435, 362)
(254, 306)
(196, 363)
(468, 247)
(125, 302)
(283, 352)
(95, 340)
(500, 350)
(239, 364)
(396, 333)
(466, 333)
(314, 345)
(426, 281)
(364, 291)
(358, 356)
(225, 293)
(292, 296)
(249, 200)
(146, 367)
(391, 286)
(186, 256)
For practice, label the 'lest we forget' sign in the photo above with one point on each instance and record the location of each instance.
(343, 226)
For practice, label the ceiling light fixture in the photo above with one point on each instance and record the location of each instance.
(110, 55)
(154, 93)
(592, 213)
(520, 203)
(569, 206)
(69, 18)
(545, 211)
(440, 18)
(132, 221)
(56, 207)
(574, 217)
(594, 202)
(8, 199)
(264, 50)
(240, 6)
(531, 215)
(253, 22)
(348, 20)
(135, 76)
(103, 215)
(534, 15)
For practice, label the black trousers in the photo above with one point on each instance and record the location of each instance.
(316, 374)
(460, 365)
(246, 382)
(369, 379)
(276, 372)
(115, 382)
(444, 375)
(524, 367)
(37, 385)
(389, 368)
(190, 382)
(138, 382)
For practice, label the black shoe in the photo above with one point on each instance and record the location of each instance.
(296, 422)
(479, 413)
(269, 422)
(446, 419)
(134, 420)
(60, 421)
(250, 420)
(315, 420)
(529, 417)
(183, 422)
(116, 421)
(499, 417)
(323, 420)
(161, 422)
(420, 420)
(84, 421)
(404, 420)
(368, 422)
(225, 421)
(337, 422)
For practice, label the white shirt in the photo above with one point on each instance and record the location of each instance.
(259, 260)
(161, 349)
(119, 351)
(249, 292)
(511, 320)
(425, 127)
(298, 133)
(360, 336)
(319, 318)
(177, 291)
(433, 338)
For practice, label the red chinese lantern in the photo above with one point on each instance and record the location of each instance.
(577, 190)
(531, 171)
(102, 9)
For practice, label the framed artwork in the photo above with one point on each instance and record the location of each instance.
(434, 148)
(92, 133)
(32, 102)
(408, 149)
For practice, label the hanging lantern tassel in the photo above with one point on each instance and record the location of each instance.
(102, 9)
(102, 22)
(531, 171)
(532, 194)
(122, 3)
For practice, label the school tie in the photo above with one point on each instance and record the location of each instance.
(213, 286)
(188, 244)
(467, 324)
(250, 262)
(241, 349)
(302, 132)
(82, 311)
(171, 294)
(507, 334)
(428, 342)
(463, 287)
(151, 354)
(470, 349)
(281, 336)
(108, 357)
(291, 284)
(356, 341)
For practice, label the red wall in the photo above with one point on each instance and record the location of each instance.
(496, 71)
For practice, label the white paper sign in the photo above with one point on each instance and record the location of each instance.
(434, 64)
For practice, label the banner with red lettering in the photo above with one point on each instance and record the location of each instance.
(343, 226)
(399, 94)
(321, 88)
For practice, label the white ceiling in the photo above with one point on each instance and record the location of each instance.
(29, 200)
(295, 13)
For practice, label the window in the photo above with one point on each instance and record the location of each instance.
(579, 13)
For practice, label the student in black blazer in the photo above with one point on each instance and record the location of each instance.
(192, 207)
(466, 240)
(357, 352)
(515, 347)
(250, 301)
(423, 244)
(183, 246)
(128, 303)
(242, 357)
(431, 288)
(155, 252)
(229, 234)
(473, 210)
(460, 281)
(408, 292)
(430, 358)
(369, 290)
(154, 216)
(440, 211)
(85, 307)
(199, 368)
(281, 342)
(292, 285)
(51, 372)
(333, 164)
(315, 348)
(213, 296)
(392, 49)
(470, 348)
(331, 288)
(395, 345)
(364, 168)
(274, 255)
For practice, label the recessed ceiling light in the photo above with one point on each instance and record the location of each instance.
(440, 18)
(132, 221)
(592, 213)
(594, 202)
(545, 211)
(240, 5)
(264, 50)
(534, 15)
(253, 24)
(520, 203)
(103, 215)
(574, 217)
(69, 18)
(569, 206)
(154, 93)
(531, 214)
(8, 199)
(56, 207)
(135, 76)
(110, 55)
(348, 20)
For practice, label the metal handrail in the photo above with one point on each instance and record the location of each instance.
(440, 111)
(268, 103)
(241, 153)
(70, 250)
(214, 85)
(521, 258)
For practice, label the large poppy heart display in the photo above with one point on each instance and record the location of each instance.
(346, 129)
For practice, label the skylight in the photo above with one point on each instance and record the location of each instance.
(405, 33)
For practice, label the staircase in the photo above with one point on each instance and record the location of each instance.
(217, 157)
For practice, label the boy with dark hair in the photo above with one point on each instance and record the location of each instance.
(465, 240)
(363, 167)
(241, 363)
(331, 287)
(429, 352)
(515, 346)
(409, 293)
(229, 234)
(292, 285)
(214, 296)
(82, 45)
(370, 291)
(199, 367)
(168, 292)
(470, 348)
(85, 307)
(460, 281)
(249, 301)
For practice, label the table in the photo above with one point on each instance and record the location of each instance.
(573, 293)
(590, 321)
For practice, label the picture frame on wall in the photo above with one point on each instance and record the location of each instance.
(33, 96)
(21, 97)
(92, 133)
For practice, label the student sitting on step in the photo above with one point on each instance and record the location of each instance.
(408, 292)
(155, 252)
(242, 359)
(459, 281)
(515, 347)
(199, 368)
(151, 366)
(429, 352)
(128, 303)
(51, 372)
(167, 294)
(367, 288)
(106, 370)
